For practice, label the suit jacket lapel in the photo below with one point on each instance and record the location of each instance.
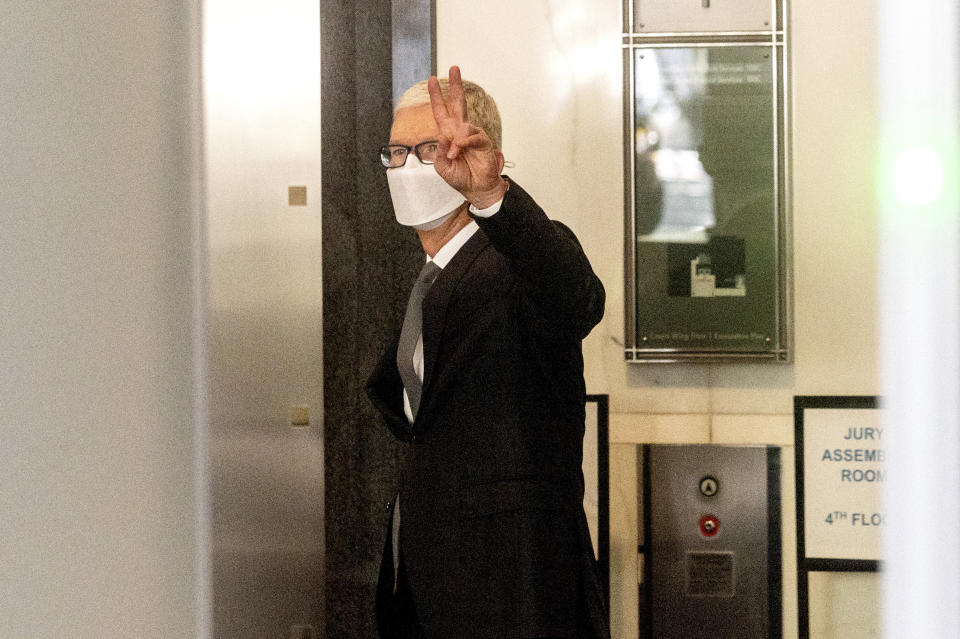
(435, 309)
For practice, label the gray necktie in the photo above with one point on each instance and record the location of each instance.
(412, 328)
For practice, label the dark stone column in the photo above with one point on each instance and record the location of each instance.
(369, 262)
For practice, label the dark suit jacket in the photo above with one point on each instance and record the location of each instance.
(493, 533)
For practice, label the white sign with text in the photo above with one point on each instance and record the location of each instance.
(843, 482)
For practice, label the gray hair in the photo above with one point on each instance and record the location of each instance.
(482, 111)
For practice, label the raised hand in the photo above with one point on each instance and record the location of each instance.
(467, 158)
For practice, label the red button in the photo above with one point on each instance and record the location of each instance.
(709, 525)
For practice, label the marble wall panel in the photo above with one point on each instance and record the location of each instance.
(369, 263)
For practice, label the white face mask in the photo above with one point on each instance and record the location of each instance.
(421, 198)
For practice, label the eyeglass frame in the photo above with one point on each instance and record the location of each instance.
(415, 149)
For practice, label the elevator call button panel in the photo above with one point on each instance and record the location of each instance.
(710, 542)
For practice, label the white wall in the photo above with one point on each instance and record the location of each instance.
(262, 135)
(99, 218)
(554, 67)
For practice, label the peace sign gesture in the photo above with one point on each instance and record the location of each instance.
(466, 158)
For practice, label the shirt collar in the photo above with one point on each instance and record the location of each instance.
(446, 253)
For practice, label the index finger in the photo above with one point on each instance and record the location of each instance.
(437, 103)
(457, 100)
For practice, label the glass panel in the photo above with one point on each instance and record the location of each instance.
(706, 267)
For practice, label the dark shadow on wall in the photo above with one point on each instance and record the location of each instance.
(369, 262)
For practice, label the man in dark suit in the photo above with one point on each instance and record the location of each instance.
(488, 536)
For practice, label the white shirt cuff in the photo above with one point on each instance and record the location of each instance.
(487, 212)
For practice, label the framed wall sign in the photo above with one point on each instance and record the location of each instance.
(840, 475)
(706, 190)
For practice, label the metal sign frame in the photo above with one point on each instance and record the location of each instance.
(602, 480)
(779, 345)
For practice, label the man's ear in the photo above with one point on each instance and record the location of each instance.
(500, 161)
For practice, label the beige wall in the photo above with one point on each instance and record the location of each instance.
(554, 67)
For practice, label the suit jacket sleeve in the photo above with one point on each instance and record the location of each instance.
(547, 259)
(385, 390)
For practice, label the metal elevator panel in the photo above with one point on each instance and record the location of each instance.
(263, 306)
(711, 542)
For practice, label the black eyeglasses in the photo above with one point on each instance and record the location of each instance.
(393, 156)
